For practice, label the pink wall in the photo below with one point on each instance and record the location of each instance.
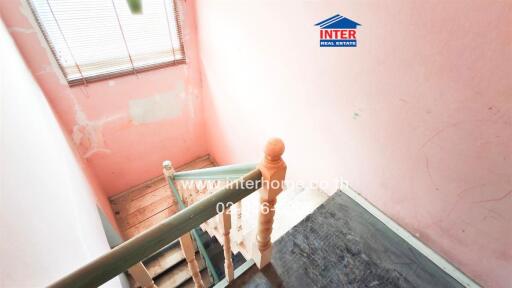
(417, 118)
(124, 127)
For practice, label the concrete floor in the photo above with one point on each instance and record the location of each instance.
(342, 245)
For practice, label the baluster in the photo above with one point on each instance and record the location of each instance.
(197, 191)
(273, 171)
(201, 193)
(215, 220)
(141, 275)
(226, 227)
(187, 247)
(238, 233)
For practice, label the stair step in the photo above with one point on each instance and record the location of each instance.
(163, 260)
(169, 256)
(190, 282)
(178, 275)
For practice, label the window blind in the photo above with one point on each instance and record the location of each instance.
(98, 39)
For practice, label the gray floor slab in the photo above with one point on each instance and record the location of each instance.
(342, 245)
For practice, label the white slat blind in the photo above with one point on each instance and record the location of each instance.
(98, 39)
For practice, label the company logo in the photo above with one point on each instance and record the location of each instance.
(338, 31)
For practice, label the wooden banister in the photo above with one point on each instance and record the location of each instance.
(269, 176)
(169, 174)
(273, 171)
(227, 172)
(127, 254)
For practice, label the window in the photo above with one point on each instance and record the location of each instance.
(98, 39)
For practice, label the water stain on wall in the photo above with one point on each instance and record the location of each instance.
(157, 107)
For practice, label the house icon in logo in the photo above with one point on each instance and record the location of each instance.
(338, 31)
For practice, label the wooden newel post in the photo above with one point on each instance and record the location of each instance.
(273, 171)
(169, 172)
(168, 169)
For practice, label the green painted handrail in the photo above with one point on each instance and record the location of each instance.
(228, 172)
(143, 245)
(195, 234)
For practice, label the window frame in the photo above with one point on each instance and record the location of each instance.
(84, 80)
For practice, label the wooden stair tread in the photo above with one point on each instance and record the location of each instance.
(157, 182)
(147, 204)
(163, 261)
(179, 274)
(190, 282)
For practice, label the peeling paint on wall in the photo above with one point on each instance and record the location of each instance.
(27, 12)
(158, 107)
(88, 134)
(99, 123)
(21, 30)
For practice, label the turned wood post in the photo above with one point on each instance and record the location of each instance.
(187, 247)
(228, 262)
(169, 172)
(273, 171)
(141, 275)
(238, 227)
(168, 169)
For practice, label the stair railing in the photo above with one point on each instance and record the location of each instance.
(189, 250)
(268, 178)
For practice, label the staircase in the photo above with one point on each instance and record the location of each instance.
(168, 268)
(146, 205)
(309, 242)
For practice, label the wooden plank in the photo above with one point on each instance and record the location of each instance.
(148, 199)
(179, 275)
(139, 190)
(143, 201)
(164, 260)
(206, 280)
(150, 222)
(146, 212)
(199, 163)
(157, 182)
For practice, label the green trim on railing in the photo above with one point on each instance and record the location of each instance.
(145, 244)
(228, 172)
(195, 234)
